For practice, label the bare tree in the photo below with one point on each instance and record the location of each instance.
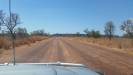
(2, 18)
(109, 29)
(127, 26)
(10, 22)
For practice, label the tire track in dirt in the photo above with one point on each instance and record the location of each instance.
(71, 56)
(35, 54)
(106, 65)
(118, 55)
(55, 52)
(61, 52)
(67, 54)
(120, 60)
(52, 54)
(91, 61)
(87, 60)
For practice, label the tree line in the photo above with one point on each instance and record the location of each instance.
(109, 30)
(10, 23)
(22, 32)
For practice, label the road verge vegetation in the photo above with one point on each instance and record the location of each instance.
(5, 42)
(30, 40)
(119, 44)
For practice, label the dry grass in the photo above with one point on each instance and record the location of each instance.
(120, 43)
(116, 43)
(29, 40)
(5, 43)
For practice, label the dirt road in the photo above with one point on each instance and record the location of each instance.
(72, 51)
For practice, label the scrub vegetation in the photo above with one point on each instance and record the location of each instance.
(109, 39)
(12, 36)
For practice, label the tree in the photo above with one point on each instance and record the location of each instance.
(10, 22)
(21, 32)
(87, 32)
(2, 15)
(38, 32)
(2, 18)
(95, 34)
(109, 29)
(78, 34)
(127, 26)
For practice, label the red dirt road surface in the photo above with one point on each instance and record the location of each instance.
(72, 51)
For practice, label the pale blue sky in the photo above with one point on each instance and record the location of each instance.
(70, 16)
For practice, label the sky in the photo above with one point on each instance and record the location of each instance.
(70, 16)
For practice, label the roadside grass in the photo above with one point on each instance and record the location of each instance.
(5, 42)
(123, 44)
(29, 40)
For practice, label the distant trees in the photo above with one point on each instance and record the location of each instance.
(21, 32)
(93, 33)
(87, 32)
(78, 34)
(127, 27)
(40, 32)
(109, 29)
